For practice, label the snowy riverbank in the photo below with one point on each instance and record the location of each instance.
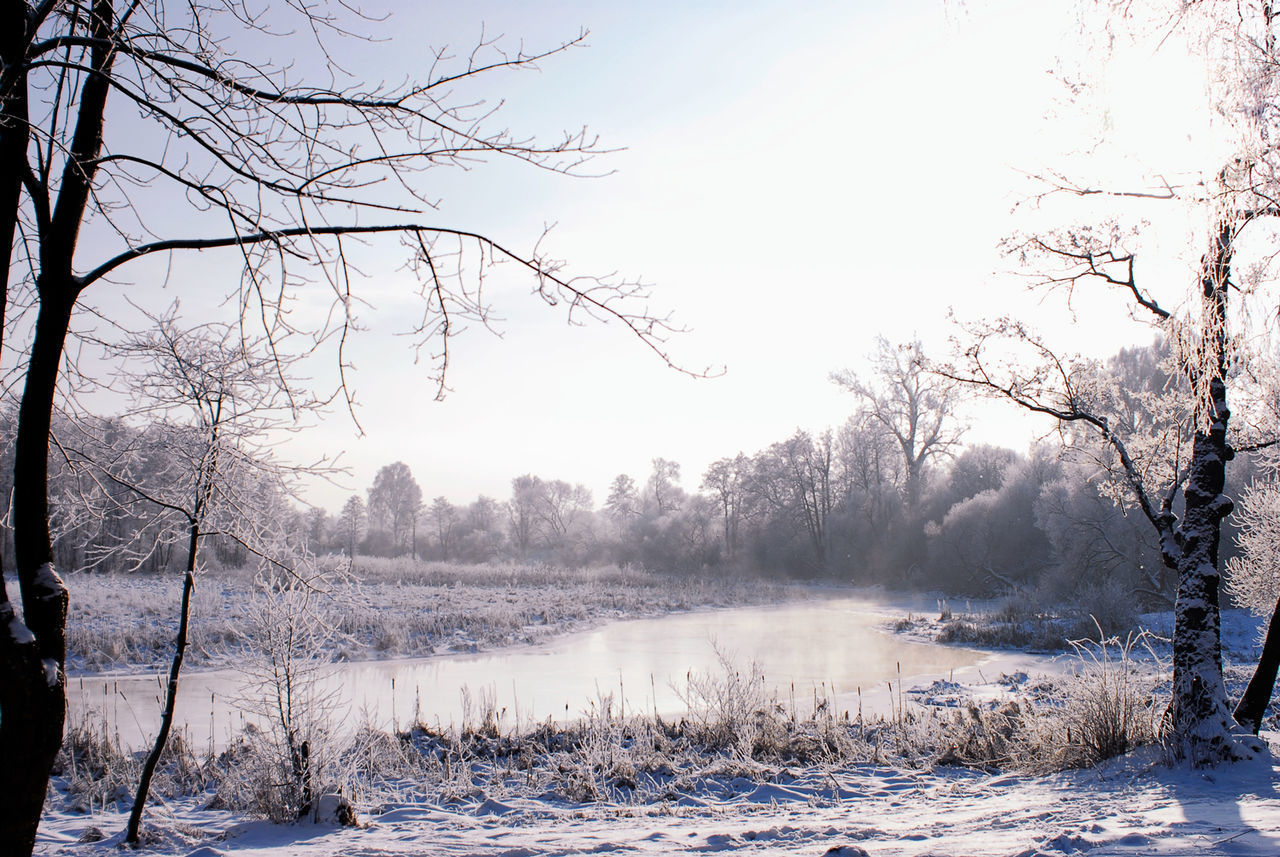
(1130, 806)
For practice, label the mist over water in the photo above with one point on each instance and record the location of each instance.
(834, 650)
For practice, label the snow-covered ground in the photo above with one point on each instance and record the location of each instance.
(1134, 805)
(1130, 806)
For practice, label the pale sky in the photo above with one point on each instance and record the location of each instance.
(798, 178)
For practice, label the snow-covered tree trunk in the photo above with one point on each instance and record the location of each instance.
(1198, 721)
(1198, 718)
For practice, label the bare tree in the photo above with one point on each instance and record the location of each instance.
(663, 486)
(870, 469)
(395, 499)
(916, 407)
(444, 519)
(214, 400)
(727, 479)
(793, 479)
(351, 524)
(282, 170)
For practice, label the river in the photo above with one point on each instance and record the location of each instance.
(835, 650)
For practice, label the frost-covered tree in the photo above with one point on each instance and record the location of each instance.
(792, 480)
(214, 401)
(726, 479)
(1253, 577)
(915, 407)
(663, 488)
(623, 503)
(989, 541)
(351, 523)
(522, 512)
(1232, 196)
(1094, 539)
(870, 477)
(561, 509)
(395, 500)
(481, 531)
(443, 516)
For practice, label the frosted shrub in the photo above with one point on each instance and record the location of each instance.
(372, 764)
(289, 641)
(729, 710)
(251, 777)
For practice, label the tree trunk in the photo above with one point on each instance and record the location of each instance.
(33, 701)
(33, 651)
(171, 696)
(1198, 723)
(21, 675)
(1257, 696)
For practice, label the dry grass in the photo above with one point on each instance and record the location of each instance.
(1107, 709)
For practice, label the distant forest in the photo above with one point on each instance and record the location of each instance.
(890, 497)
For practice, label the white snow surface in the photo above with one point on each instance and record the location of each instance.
(1131, 806)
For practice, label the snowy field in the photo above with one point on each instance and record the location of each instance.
(913, 783)
(1131, 806)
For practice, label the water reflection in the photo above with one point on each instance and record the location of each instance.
(833, 649)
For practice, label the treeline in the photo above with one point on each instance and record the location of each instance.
(989, 521)
(889, 497)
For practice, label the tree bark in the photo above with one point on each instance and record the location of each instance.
(1198, 722)
(1257, 696)
(33, 652)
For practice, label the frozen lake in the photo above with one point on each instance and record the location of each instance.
(835, 648)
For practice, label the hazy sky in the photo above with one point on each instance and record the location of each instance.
(797, 179)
